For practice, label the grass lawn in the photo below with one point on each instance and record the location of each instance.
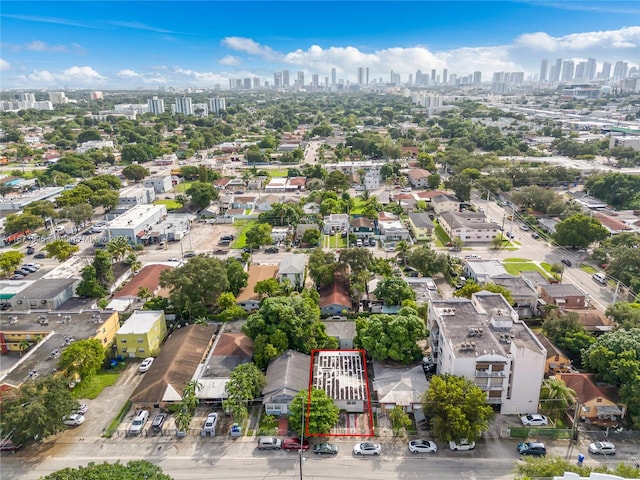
(517, 260)
(92, 387)
(441, 236)
(241, 237)
(184, 186)
(334, 241)
(514, 268)
(170, 204)
(278, 172)
(268, 425)
(358, 206)
(585, 267)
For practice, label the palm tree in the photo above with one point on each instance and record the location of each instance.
(24, 346)
(118, 247)
(403, 249)
(144, 293)
(555, 398)
(183, 420)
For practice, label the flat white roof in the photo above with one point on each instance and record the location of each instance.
(134, 215)
(140, 322)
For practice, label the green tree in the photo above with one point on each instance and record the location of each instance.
(322, 267)
(566, 331)
(626, 315)
(133, 470)
(41, 208)
(461, 186)
(311, 237)
(246, 382)
(555, 398)
(89, 286)
(10, 260)
(196, 285)
(457, 407)
(61, 250)
(259, 234)
(136, 153)
(392, 337)
(83, 212)
(337, 181)
(579, 230)
(394, 291)
(358, 259)
(551, 467)
(399, 419)
(319, 412)
(26, 221)
(428, 261)
(83, 357)
(89, 135)
(104, 268)
(202, 194)
(135, 172)
(471, 287)
(267, 288)
(118, 247)
(236, 275)
(37, 409)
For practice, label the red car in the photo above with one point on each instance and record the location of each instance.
(294, 444)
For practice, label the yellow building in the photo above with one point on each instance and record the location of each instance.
(142, 334)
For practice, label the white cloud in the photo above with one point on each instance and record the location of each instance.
(40, 46)
(74, 77)
(126, 73)
(4, 65)
(247, 45)
(229, 60)
(628, 37)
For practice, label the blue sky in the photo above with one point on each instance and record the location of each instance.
(113, 44)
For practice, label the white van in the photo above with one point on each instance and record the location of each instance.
(600, 277)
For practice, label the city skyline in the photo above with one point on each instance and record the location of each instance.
(204, 44)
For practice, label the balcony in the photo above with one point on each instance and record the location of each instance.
(486, 373)
(494, 401)
(485, 388)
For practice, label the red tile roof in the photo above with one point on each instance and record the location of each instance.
(336, 294)
(430, 193)
(610, 222)
(584, 385)
(298, 181)
(234, 344)
(148, 277)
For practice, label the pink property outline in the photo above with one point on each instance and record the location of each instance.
(367, 406)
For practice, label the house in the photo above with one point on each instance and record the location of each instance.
(280, 234)
(136, 195)
(32, 341)
(471, 227)
(557, 362)
(276, 185)
(613, 225)
(247, 298)
(175, 366)
(142, 334)
(391, 228)
(286, 376)
(445, 203)
(147, 279)
(363, 227)
(407, 201)
(419, 178)
(311, 208)
(563, 295)
(296, 184)
(598, 404)
(45, 294)
(229, 350)
(593, 321)
(483, 340)
(303, 227)
(341, 374)
(399, 386)
(243, 203)
(421, 226)
(335, 298)
(481, 271)
(293, 268)
(159, 183)
(343, 331)
(264, 204)
(524, 295)
(336, 222)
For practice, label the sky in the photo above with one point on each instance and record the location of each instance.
(132, 44)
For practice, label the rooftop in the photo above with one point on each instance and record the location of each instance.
(286, 374)
(421, 220)
(257, 273)
(140, 322)
(46, 288)
(340, 374)
(562, 290)
(148, 277)
(136, 214)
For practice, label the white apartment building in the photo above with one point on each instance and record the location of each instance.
(136, 195)
(57, 98)
(183, 105)
(216, 105)
(94, 145)
(483, 340)
(371, 178)
(336, 222)
(156, 105)
(159, 183)
(137, 222)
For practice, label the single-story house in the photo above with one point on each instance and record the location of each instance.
(286, 376)
(343, 331)
(563, 295)
(525, 296)
(598, 404)
(247, 298)
(421, 226)
(335, 298)
(243, 203)
(264, 204)
(399, 386)
(419, 177)
(481, 271)
(148, 279)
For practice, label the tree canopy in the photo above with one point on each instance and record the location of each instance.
(579, 230)
(83, 357)
(135, 172)
(202, 194)
(394, 291)
(320, 413)
(133, 470)
(457, 407)
(392, 337)
(469, 288)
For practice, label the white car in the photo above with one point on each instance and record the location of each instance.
(462, 444)
(602, 448)
(73, 420)
(145, 365)
(367, 448)
(534, 420)
(422, 446)
(82, 409)
(211, 422)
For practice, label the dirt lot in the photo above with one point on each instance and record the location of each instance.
(205, 237)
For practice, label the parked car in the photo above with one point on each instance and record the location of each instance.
(138, 422)
(566, 262)
(524, 227)
(462, 444)
(269, 443)
(7, 445)
(34, 265)
(422, 446)
(602, 448)
(535, 449)
(295, 444)
(372, 242)
(16, 276)
(190, 254)
(158, 422)
(83, 407)
(28, 269)
(325, 449)
(30, 250)
(211, 422)
(272, 250)
(535, 236)
(534, 420)
(73, 420)
(40, 255)
(145, 365)
(367, 448)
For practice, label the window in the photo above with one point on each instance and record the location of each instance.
(124, 350)
(141, 350)
(123, 340)
(140, 340)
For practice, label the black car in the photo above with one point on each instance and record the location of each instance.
(158, 422)
(271, 250)
(30, 250)
(535, 449)
(566, 262)
(40, 255)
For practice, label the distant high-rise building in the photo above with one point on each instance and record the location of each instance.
(544, 67)
(96, 95)
(184, 105)
(552, 72)
(620, 70)
(557, 70)
(517, 77)
(433, 75)
(326, 82)
(498, 77)
(581, 71)
(57, 98)
(568, 68)
(606, 71)
(477, 78)
(277, 80)
(591, 69)
(24, 97)
(315, 80)
(156, 105)
(256, 82)
(217, 104)
(360, 75)
(300, 79)
(333, 76)
(285, 78)
(247, 83)
(366, 76)
(445, 77)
